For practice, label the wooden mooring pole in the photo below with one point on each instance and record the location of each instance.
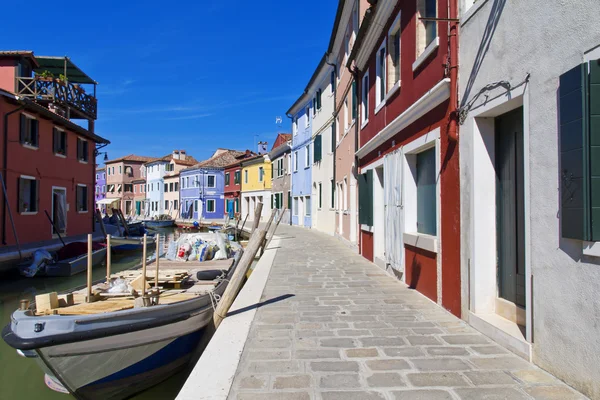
(108, 258)
(257, 214)
(89, 270)
(272, 233)
(157, 238)
(144, 253)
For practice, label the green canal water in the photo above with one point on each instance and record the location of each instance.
(21, 378)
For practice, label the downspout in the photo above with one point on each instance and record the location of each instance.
(334, 115)
(291, 172)
(5, 167)
(453, 69)
(355, 77)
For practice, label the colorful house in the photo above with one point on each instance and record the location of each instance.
(48, 161)
(349, 16)
(139, 196)
(100, 189)
(120, 175)
(233, 184)
(203, 186)
(281, 161)
(529, 166)
(256, 186)
(171, 193)
(156, 170)
(302, 160)
(409, 199)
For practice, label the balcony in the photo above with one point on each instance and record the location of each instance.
(64, 95)
(58, 85)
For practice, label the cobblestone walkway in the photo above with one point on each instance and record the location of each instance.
(341, 328)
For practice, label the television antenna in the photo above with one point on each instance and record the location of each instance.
(278, 121)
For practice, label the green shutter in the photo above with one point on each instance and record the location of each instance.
(365, 198)
(354, 101)
(320, 195)
(332, 194)
(289, 206)
(333, 125)
(594, 126)
(317, 149)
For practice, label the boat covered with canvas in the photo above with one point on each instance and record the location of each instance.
(69, 260)
(159, 223)
(133, 336)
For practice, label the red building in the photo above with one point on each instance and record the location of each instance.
(233, 183)
(405, 64)
(47, 161)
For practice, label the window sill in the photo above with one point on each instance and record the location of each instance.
(366, 228)
(364, 124)
(393, 90)
(380, 105)
(421, 241)
(83, 162)
(60, 155)
(28, 212)
(30, 146)
(426, 53)
(591, 249)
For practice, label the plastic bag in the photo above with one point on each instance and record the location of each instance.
(119, 286)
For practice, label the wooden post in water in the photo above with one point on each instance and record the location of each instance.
(257, 214)
(237, 279)
(244, 224)
(89, 269)
(102, 227)
(157, 238)
(108, 258)
(269, 222)
(272, 233)
(144, 252)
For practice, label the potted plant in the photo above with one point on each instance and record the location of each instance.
(62, 78)
(44, 76)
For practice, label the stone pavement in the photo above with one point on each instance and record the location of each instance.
(338, 327)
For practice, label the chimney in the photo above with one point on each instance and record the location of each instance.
(176, 154)
(262, 147)
(182, 155)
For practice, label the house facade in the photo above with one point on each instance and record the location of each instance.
(100, 189)
(171, 195)
(281, 161)
(301, 114)
(348, 19)
(320, 87)
(156, 171)
(529, 187)
(48, 161)
(233, 185)
(120, 174)
(409, 200)
(139, 196)
(256, 186)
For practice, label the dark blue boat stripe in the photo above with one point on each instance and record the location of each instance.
(176, 349)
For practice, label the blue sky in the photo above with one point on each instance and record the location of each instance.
(192, 75)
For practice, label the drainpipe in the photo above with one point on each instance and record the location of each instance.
(291, 117)
(5, 167)
(334, 114)
(355, 77)
(453, 69)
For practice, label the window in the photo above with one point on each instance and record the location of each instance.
(82, 198)
(289, 162)
(29, 131)
(175, 205)
(134, 188)
(120, 169)
(345, 193)
(166, 187)
(246, 176)
(211, 181)
(108, 171)
(307, 116)
(295, 161)
(365, 99)
(393, 73)
(187, 182)
(170, 186)
(426, 193)
(295, 206)
(97, 176)
(83, 151)
(346, 122)
(307, 206)
(227, 179)
(128, 187)
(333, 81)
(152, 187)
(380, 76)
(333, 138)
(317, 148)
(103, 188)
(183, 183)
(210, 206)
(354, 101)
(166, 204)
(104, 176)
(319, 95)
(28, 194)
(314, 103)
(295, 126)
(261, 174)
(237, 177)
(320, 195)
(332, 194)
(365, 198)
(59, 140)
(307, 156)
(426, 30)
(176, 186)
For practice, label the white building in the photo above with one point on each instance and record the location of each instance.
(321, 89)
(155, 184)
(530, 261)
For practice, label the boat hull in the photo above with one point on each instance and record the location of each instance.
(159, 224)
(129, 243)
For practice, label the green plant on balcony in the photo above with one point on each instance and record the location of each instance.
(62, 78)
(45, 75)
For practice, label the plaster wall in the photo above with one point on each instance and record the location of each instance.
(302, 176)
(282, 184)
(504, 41)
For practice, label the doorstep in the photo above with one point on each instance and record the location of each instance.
(503, 331)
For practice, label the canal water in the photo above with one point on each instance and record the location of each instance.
(21, 378)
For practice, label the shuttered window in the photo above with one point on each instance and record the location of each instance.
(317, 148)
(319, 95)
(365, 198)
(227, 179)
(237, 177)
(426, 193)
(82, 198)
(354, 100)
(29, 131)
(28, 195)
(83, 151)
(332, 194)
(579, 108)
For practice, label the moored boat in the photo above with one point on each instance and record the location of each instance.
(125, 243)
(119, 345)
(157, 224)
(70, 260)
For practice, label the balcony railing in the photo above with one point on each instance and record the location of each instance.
(59, 92)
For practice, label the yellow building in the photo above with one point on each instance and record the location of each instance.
(256, 186)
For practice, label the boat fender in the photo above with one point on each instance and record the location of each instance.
(209, 275)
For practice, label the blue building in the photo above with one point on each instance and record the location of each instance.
(302, 158)
(202, 187)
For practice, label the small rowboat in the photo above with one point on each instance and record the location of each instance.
(157, 224)
(68, 261)
(129, 243)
